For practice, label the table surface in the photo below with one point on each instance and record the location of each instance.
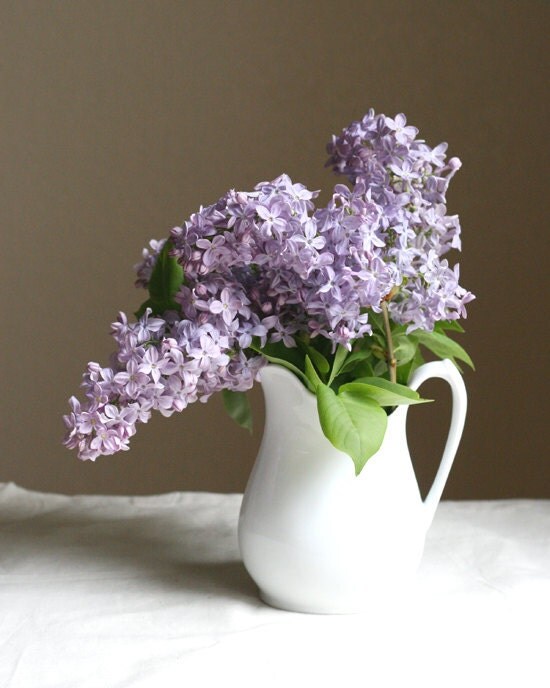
(112, 592)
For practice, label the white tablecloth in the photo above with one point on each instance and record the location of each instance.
(110, 592)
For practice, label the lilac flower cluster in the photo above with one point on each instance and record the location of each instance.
(407, 181)
(295, 270)
(266, 266)
(161, 364)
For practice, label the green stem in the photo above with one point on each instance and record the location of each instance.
(390, 357)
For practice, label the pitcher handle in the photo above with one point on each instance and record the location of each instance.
(446, 371)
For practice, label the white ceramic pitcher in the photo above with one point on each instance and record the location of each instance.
(313, 536)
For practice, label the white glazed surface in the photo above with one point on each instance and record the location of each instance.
(313, 536)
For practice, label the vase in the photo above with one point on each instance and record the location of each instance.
(314, 536)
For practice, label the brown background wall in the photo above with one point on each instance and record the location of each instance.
(120, 118)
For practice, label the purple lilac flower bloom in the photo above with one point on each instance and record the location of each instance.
(268, 264)
(408, 181)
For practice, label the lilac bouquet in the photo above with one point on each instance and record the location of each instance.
(347, 296)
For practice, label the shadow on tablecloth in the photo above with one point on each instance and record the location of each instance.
(192, 548)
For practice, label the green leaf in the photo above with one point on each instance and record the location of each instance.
(339, 360)
(311, 373)
(238, 407)
(353, 422)
(381, 341)
(353, 359)
(397, 329)
(166, 278)
(380, 368)
(363, 369)
(442, 346)
(318, 359)
(384, 392)
(378, 352)
(404, 348)
(377, 320)
(451, 325)
(404, 372)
